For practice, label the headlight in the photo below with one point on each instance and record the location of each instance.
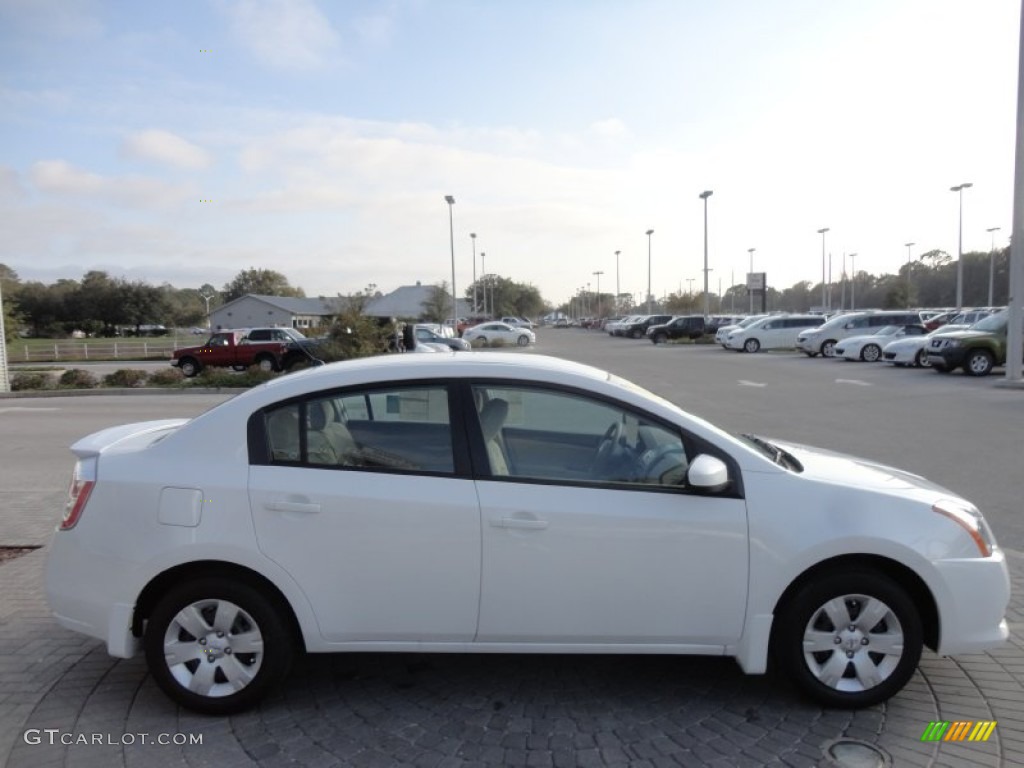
(971, 520)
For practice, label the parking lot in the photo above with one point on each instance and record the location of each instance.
(455, 710)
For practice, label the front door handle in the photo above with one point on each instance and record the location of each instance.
(518, 522)
(292, 506)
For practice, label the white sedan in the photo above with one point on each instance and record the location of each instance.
(912, 350)
(509, 504)
(498, 334)
(869, 347)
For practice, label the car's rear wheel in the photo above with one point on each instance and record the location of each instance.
(216, 646)
(751, 345)
(979, 362)
(849, 639)
(870, 353)
(189, 366)
(266, 363)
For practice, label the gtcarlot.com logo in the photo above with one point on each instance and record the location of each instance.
(53, 736)
(958, 730)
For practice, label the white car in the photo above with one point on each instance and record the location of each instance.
(496, 334)
(723, 333)
(772, 332)
(517, 322)
(510, 504)
(822, 340)
(868, 348)
(912, 350)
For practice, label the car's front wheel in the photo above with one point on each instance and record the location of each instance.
(216, 646)
(751, 345)
(189, 367)
(266, 363)
(828, 348)
(849, 639)
(523, 340)
(659, 338)
(921, 359)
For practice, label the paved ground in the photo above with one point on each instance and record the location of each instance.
(383, 710)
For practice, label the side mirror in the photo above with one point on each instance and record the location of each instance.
(707, 473)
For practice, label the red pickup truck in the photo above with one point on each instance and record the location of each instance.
(272, 349)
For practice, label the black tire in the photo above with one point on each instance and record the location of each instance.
(659, 338)
(266, 363)
(751, 345)
(189, 366)
(941, 368)
(249, 615)
(811, 354)
(636, 333)
(523, 340)
(921, 359)
(238, 368)
(828, 348)
(870, 353)
(842, 671)
(979, 362)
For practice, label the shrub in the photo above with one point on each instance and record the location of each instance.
(24, 380)
(165, 377)
(126, 377)
(221, 377)
(76, 378)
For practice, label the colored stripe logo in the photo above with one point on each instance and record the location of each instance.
(958, 730)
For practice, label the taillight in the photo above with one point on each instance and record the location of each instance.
(78, 496)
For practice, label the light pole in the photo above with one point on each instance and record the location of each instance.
(909, 246)
(483, 277)
(824, 305)
(853, 282)
(749, 289)
(472, 236)
(616, 310)
(649, 233)
(704, 196)
(960, 244)
(598, 274)
(451, 234)
(207, 299)
(992, 265)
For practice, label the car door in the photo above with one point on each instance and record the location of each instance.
(584, 543)
(365, 498)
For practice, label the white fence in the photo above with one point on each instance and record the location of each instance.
(99, 350)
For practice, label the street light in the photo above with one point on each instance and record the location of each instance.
(207, 299)
(824, 305)
(992, 265)
(473, 237)
(749, 289)
(451, 234)
(649, 233)
(483, 276)
(960, 245)
(853, 282)
(616, 310)
(909, 246)
(704, 196)
(598, 273)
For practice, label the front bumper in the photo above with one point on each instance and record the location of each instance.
(972, 612)
(951, 357)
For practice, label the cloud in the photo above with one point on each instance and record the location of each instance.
(58, 19)
(167, 148)
(612, 128)
(284, 34)
(57, 177)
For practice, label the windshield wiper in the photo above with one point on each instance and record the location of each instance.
(774, 452)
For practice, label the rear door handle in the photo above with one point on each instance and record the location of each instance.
(292, 506)
(518, 522)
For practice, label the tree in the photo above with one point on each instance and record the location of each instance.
(438, 304)
(263, 282)
(9, 288)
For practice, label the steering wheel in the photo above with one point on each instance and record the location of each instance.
(606, 448)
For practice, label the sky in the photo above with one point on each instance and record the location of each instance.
(184, 142)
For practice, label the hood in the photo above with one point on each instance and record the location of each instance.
(831, 466)
(967, 334)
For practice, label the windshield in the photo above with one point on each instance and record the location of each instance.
(888, 330)
(996, 322)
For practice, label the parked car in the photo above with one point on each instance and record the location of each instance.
(682, 327)
(977, 349)
(723, 333)
(427, 335)
(272, 349)
(770, 332)
(913, 350)
(868, 348)
(412, 503)
(637, 327)
(499, 333)
(615, 327)
(822, 340)
(517, 322)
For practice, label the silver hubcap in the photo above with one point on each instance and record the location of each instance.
(213, 648)
(979, 364)
(266, 365)
(853, 643)
(829, 349)
(871, 353)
